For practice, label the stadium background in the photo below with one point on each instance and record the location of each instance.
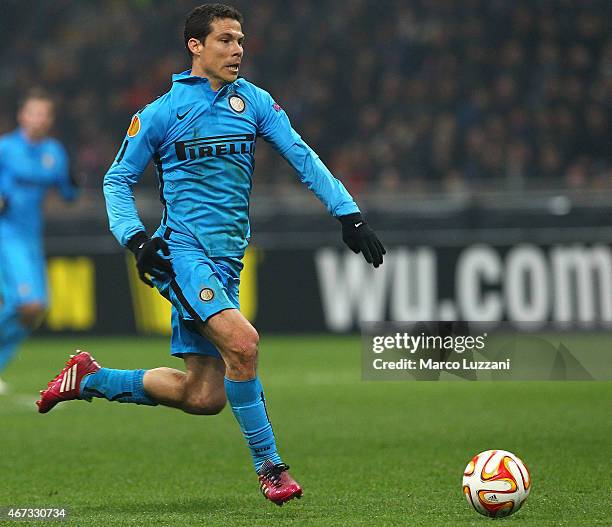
(484, 123)
(475, 135)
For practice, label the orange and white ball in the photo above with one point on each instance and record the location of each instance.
(496, 483)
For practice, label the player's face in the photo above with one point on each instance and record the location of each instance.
(220, 56)
(36, 118)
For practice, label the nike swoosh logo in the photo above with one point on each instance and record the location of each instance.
(357, 225)
(181, 117)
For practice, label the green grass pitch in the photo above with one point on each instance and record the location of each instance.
(367, 453)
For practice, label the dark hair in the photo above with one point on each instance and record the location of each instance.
(197, 24)
(37, 93)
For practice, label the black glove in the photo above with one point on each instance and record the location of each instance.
(360, 238)
(148, 259)
(3, 204)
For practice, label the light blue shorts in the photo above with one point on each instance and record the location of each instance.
(202, 287)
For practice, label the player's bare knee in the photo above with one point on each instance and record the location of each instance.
(243, 349)
(31, 315)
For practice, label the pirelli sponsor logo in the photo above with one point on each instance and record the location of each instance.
(215, 146)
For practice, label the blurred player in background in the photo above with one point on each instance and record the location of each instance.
(31, 163)
(201, 136)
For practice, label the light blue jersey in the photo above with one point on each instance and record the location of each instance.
(203, 143)
(27, 171)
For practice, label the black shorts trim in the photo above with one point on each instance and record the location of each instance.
(181, 298)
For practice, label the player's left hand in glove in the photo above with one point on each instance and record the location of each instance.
(356, 233)
(148, 260)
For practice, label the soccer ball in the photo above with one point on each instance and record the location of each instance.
(496, 483)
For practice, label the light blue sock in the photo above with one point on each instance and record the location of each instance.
(124, 386)
(12, 334)
(249, 406)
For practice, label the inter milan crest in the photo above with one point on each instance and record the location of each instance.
(237, 103)
(207, 294)
(48, 161)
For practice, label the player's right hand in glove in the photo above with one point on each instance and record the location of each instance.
(356, 233)
(148, 260)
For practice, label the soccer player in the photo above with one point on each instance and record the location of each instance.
(201, 136)
(31, 163)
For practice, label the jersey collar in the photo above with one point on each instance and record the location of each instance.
(187, 77)
(22, 135)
